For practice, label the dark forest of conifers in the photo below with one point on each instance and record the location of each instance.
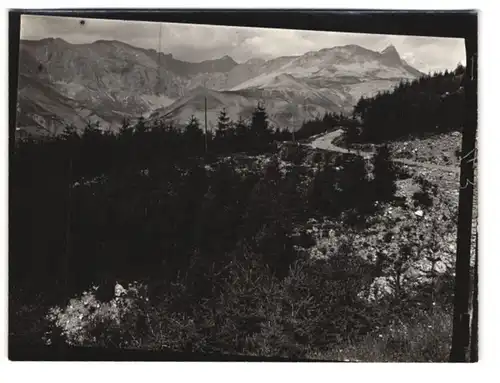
(214, 227)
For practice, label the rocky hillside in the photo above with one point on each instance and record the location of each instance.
(443, 149)
(106, 81)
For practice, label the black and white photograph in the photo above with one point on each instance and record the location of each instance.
(190, 191)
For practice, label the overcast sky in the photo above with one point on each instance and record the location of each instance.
(202, 42)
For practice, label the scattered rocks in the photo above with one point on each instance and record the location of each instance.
(119, 290)
(379, 288)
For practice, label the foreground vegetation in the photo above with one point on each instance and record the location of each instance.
(146, 239)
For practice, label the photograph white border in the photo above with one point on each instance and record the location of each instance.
(280, 372)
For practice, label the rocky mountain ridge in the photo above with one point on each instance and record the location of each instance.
(107, 81)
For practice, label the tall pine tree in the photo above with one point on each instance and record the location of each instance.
(384, 174)
(241, 134)
(193, 136)
(260, 127)
(223, 133)
(223, 123)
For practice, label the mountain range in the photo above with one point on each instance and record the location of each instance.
(106, 81)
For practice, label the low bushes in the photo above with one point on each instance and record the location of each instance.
(315, 309)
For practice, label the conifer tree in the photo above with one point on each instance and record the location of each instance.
(193, 124)
(241, 134)
(140, 127)
(353, 183)
(193, 136)
(69, 133)
(351, 136)
(384, 174)
(260, 126)
(223, 134)
(241, 126)
(223, 123)
(125, 126)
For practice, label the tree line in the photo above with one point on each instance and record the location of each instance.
(427, 105)
(431, 104)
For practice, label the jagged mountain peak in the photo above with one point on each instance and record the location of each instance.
(390, 50)
(390, 56)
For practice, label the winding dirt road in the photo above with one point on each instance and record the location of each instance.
(324, 142)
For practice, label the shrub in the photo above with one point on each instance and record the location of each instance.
(88, 321)
(384, 174)
(305, 239)
(426, 338)
(423, 198)
(317, 158)
(403, 173)
(295, 153)
(426, 185)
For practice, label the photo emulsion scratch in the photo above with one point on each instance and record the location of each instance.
(254, 192)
